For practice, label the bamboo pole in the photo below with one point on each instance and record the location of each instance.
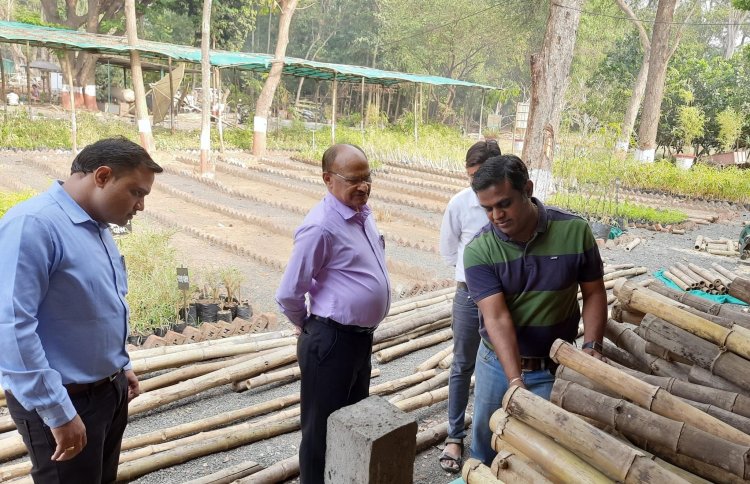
(645, 395)
(216, 378)
(435, 435)
(424, 300)
(388, 354)
(608, 268)
(633, 420)
(437, 381)
(731, 401)
(703, 353)
(740, 288)
(704, 377)
(424, 400)
(286, 375)
(244, 338)
(680, 282)
(397, 340)
(713, 474)
(725, 281)
(736, 339)
(512, 466)
(12, 447)
(730, 253)
(706, 275)
(737, 421)
(192, 371)
(724, 271)
(626, 273)
(382, 334)
(474, 472)
(132, 470)
(630, 341)
(691, 274)
(686, 278)
(279, 472)
(208, 423)
(155, 363)
(625, 358)
(615, 459)
(663, 353)
(399, 383)
(446, 362)
(557, 461)
(698, 242)
(715, 312)
(434, 360)
(632, 244)
(230, 474)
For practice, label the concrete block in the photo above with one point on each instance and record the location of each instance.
(370, 442)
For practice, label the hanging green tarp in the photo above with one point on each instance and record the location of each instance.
(54, 38)
(9, 66)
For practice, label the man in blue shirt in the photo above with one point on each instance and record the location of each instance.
(63, 314)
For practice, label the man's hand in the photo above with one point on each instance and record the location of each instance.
(594, 353)
(70, 439)
(134, 388)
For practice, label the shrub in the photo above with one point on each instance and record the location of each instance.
(9, 199)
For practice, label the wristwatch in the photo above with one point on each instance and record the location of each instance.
(594, 345)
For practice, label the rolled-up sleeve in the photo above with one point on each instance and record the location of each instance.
(23, 363)
(309, 256)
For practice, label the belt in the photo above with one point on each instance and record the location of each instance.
(531, 363)
(346, 328)
(74, 388)
(462, 285)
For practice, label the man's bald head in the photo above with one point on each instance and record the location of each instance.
(330, 155)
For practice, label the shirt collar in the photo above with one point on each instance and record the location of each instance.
(71, 208)
(346, 212)
(541, 224)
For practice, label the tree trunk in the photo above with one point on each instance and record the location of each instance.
(549, 79)
(736, 17)
(205, 166)
(265, 99)
(141, 111)
(657, 72)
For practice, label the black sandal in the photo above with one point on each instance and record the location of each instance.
(446, 460)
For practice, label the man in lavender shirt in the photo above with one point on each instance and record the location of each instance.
(339, 260)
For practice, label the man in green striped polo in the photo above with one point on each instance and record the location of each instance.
(524, 269)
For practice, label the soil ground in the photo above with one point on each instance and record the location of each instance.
(276, 193)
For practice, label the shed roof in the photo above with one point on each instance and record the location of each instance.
(56, 38)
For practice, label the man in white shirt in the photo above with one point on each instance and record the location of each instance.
(463, 218)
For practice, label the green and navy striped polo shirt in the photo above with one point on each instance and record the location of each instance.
(539, 279)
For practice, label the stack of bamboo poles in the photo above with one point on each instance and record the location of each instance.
(251, 362)
(721, 246)
(713, 280)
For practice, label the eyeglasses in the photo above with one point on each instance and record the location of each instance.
(353, 182)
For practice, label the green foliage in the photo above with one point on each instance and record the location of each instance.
(151, 262)
(599, 169)
(741, 4)
(690, 124)
(9, 199)
(730, 128)
(605, 208)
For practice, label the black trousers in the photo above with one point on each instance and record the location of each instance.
(335, 368)
(104, 411)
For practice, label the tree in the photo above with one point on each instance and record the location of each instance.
(549, 79)
(737, 16)
(657, 70)
(263, 107)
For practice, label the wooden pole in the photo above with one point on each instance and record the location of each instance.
(427, 328)
(436, 381)
(740, 288)
(2, 84)
(424, 400)
(244, 338)
(446, 362)
(647, 396)
(715, 312)
(412, 322)
(205, 143)
(704, 377)
(279, 472)
(141, 110)
(333, 109)
(230, 474)
(606, 453)
(735, 339)
(724, 271)
(416, 121)
(73, 121)
(433, 361)
(633, 420)
(28, 77)
(171, 95)
(556, 461)
(399, 383)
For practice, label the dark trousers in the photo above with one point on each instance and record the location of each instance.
(335, 368)
(104, 411)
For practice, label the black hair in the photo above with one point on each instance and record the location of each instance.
(499, 168)
(331, 153)
(481, 151)
(118, 153)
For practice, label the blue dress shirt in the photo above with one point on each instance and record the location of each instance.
(63, 314)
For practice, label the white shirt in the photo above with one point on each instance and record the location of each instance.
(463, 218)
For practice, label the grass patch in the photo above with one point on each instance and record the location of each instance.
(601, 208)
(9, 199)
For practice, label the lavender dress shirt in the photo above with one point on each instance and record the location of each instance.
(339, 259)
